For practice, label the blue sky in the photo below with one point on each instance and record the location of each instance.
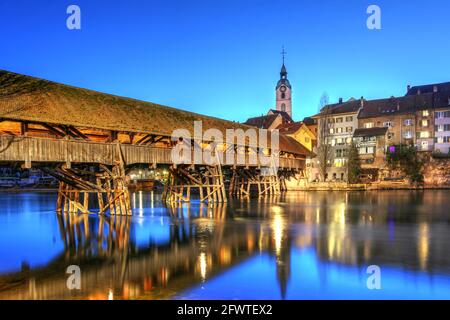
(222, 57)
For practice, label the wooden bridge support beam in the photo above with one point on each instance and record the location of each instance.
(244, 180)
(184, 179)
(75, 187)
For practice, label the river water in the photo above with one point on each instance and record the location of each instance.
(302, 245)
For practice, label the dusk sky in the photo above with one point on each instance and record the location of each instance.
(222, 57)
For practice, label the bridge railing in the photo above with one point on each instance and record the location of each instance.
(42, 150)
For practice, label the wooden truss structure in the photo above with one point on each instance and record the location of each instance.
(207, 180)
(244, 181)
(109, 185)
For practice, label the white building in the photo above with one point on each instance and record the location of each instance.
(442, 130)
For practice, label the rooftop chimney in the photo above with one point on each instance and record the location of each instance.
(408, 88)
(418, 92)
(435, 89)
(340, 100)
(362, 102)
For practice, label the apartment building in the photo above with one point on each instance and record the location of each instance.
(371, 145)
(442, 130)
(336, 124)
(402, 116)
(433, 124)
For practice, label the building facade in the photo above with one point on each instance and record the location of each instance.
(336, 124)
(371, 144)
(442, 130)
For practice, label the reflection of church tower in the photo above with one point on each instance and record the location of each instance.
(282, 248)
(283, 91)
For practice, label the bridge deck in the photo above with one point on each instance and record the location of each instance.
(46, 150)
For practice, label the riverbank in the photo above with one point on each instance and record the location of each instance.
(383, 185)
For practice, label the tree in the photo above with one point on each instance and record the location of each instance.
(405, 158)
(324, 148)
(353, 164)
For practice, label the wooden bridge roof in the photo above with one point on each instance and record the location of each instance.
(27, 98)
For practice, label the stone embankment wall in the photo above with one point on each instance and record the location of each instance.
(436, 175)
(436, 172)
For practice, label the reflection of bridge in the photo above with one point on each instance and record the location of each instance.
(50, 124)
(112, 265)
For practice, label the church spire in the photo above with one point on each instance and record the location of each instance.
(283, 73)
(283, 89)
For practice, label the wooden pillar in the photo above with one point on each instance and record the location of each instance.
(99, 194)
(60, 198)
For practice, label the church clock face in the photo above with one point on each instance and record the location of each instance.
(283, 89)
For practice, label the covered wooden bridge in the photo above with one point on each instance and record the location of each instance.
(88, 140)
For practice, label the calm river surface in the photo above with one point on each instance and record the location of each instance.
(303, 245)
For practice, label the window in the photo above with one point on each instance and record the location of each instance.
(331, 131)
(339, 130)
(424, 145)
(283, 95)
(339, 162)
(407, 135)
(390, 136)
(341, 153)
(283, 107)
(349, 119)
(423, 134)
(442, 114)
(442, 127)
(307, 139)
(349, 129)
(442, 139)
(387, 124)
(424, 123)
(366, 150)
(425, 113)
(408, 122)
(339, 120)
(349, 141)
(368, 125)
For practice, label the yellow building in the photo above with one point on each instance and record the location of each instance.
(300, 132)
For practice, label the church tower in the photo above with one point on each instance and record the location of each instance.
(284, 91)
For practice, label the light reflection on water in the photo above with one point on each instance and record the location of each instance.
(313, 245)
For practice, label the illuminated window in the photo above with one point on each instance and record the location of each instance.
(408, 122)
(425, 113)
(424, 134)
(368, 125)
